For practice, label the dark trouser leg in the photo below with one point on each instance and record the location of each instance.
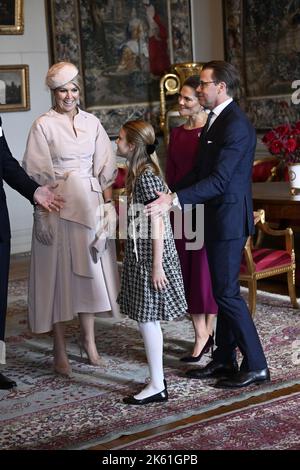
(4, 263)
(5, 382)
(235, 326)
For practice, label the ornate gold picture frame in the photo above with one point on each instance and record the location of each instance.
(14, 88)
(11, 17)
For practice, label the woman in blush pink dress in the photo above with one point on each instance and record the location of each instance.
(182, 155)
(69, 149)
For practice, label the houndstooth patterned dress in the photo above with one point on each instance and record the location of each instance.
(138, 299)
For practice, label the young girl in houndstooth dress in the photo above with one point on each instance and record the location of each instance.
(151, 287)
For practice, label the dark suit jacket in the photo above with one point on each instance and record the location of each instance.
(222, 177)
(12, 173)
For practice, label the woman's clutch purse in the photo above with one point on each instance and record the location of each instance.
(98, 247)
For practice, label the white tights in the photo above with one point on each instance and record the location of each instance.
(153, 341)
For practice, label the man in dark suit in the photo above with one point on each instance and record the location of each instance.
(222, 181)
(14, 176)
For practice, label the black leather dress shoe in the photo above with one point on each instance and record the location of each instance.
(214, 369)
(158, 397)
(243, 379)
(6, 383)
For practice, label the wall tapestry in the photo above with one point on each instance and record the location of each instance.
(122, 48)
(263, 40)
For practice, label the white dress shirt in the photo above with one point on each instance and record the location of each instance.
(218, 109)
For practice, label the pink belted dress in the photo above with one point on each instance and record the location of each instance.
(64, 277)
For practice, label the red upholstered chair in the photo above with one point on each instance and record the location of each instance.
(259, 263)
(265, 170)
(119, 192)
(119, 183)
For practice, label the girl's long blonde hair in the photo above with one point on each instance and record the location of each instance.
(141, 135)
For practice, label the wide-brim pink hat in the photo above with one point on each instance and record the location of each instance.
(60, 74)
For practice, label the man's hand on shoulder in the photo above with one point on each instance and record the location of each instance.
(161, 205)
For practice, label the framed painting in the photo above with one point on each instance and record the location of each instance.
(14, 88)
(262, 39)
(11, 17)
(122, 48)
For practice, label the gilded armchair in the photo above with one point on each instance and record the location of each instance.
(259, 263)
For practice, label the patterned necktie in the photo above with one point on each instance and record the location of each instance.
(211, 114)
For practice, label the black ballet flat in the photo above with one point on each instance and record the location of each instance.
(208, 345)
(157, 398)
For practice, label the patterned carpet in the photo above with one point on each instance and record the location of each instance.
(274, 425)
(50, 412)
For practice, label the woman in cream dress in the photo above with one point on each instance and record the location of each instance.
(70, 149)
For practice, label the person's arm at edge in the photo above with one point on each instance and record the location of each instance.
(158, 275)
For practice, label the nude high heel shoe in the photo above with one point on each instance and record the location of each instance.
(65, 370)
(61, 363)
(93, 361)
